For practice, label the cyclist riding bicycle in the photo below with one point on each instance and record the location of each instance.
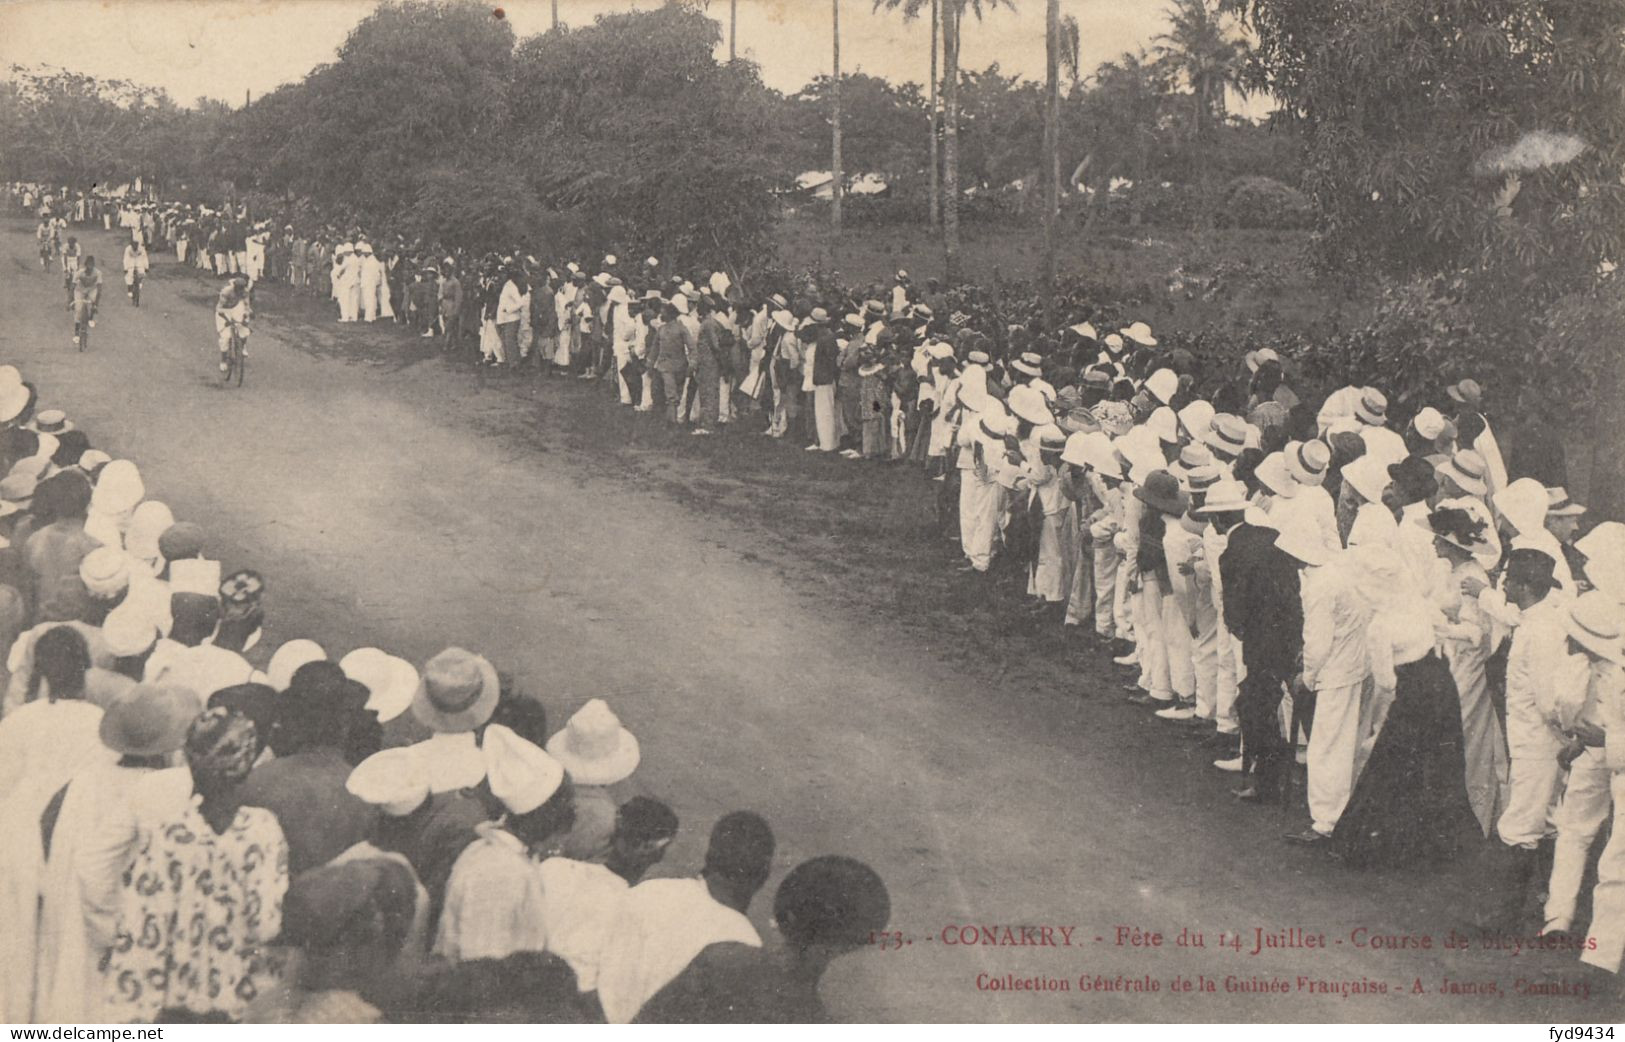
(86, 286)
(135, 268)
(45, 235)
(232, 309)
(71, 252)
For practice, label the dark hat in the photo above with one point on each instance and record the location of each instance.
(1414, 476)
(349, 901)
(1531, 566)
(181, 540)
(1161, 490)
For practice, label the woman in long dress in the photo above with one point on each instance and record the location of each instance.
(1458, 538)
(1410, 804)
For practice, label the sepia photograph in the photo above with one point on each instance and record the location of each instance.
(679, 512)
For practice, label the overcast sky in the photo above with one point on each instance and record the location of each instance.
(220, 48)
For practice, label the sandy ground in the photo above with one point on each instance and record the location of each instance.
(781, 633)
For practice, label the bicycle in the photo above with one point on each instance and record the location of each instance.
(84, 317)
(236, 363)
(133, 289)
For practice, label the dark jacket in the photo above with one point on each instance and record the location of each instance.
(826, 357)
(1262, 607)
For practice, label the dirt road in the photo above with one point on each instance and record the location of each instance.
(792, 646)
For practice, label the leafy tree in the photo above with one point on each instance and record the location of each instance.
(634, 127)
(414, 85)
(78, 129)
(883, 125)
(1475, 141)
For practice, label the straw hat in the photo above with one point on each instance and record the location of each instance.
(458, 691)
(1368, 476)
(1372, 408)
(1558, 503)
(1307, 461)
(1226, 496)
(1466, 468)
(149, 720)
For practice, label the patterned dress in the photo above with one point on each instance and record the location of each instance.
(197, 909)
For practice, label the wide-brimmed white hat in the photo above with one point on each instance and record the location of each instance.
(1303, 543)
(1273, 474)
(128, 632)
(1593, 622)
(391, 682)
(105, 571)
(1140, 333)
(1163, 385)
(393, 780)
(1368, 476)
(1028, 404)
(594, 747)
(457, 692)
(1604, 547)
(288, 658)
(1197, 419)
(14, 399)
(118, 488)
(1164, 424)
(1524, 504)
(520, 773)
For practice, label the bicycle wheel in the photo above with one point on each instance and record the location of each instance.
(238, 361)
(81, 333)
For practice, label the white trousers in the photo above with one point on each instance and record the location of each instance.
(1533, 788)
(978, 521)
(1205, 658)
(1332, 744)
(1608, 899)
(1149, 622)
(349, 302)
(824, 416)
(1586, 804)
(1122, 601)
(1105, 555)
(1176, 638)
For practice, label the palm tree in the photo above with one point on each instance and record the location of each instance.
(1072, 51)
(1052, 147)
(953, 13)
(1200, 46)
(935, 206)
(836, 175)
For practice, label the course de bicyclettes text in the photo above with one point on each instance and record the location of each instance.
(1073, 946)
